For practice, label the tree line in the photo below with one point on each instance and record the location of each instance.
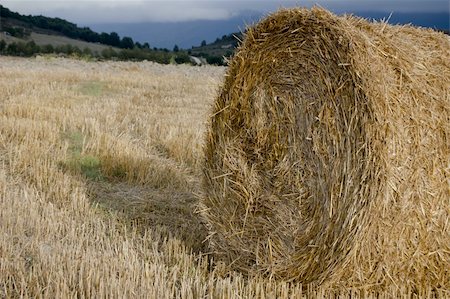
(124, 48)
(68, 29)
(28, 49)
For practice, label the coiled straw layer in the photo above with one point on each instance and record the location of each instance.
(327, 155)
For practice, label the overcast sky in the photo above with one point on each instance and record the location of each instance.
(123, 11)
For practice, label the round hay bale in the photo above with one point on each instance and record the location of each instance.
(327, 154)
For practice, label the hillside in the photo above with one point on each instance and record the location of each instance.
(17, 28)
(223, 46)
(22, 26)
(58, 33)
(56, 40)
(22, 35)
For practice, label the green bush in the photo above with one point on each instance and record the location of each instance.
(87, 52)
(182, 57)
(47, 49)
(22, 49)
(11, 49)
(109, 53)
(2, 46)
(215, 60)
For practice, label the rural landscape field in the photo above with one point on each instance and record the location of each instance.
(100, 175)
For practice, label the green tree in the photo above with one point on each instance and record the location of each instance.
(114, 39)
(31, 48)
(104, 38)
(175, 48)
(203, 43)
(127, 43)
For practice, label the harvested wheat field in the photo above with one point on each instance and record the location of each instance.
(101, 167)
(328, 154)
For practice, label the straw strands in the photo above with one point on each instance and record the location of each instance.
(328, 153)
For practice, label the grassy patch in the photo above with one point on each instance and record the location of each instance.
(87, 165)
(76, 141)
(92, 88)
(78, 162)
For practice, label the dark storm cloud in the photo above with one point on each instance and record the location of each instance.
(118, 11)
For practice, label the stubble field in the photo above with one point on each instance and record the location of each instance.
(100, 171)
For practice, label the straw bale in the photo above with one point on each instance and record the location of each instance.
(327, 155)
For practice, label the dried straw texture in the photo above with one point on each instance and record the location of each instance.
(327, 156)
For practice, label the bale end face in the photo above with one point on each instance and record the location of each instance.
(303, 145)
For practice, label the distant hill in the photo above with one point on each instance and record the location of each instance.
(189, 34)
(221, 47)
(16, 28)
(57, 40)
(434, 20)
(196, 37)
(21, 26)
(26, 36)
(184, 34)
(16, 31)
(225, 46)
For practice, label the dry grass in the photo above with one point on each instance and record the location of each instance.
(327, 159)
(99, 171)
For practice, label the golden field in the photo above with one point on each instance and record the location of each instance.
(100, 174)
